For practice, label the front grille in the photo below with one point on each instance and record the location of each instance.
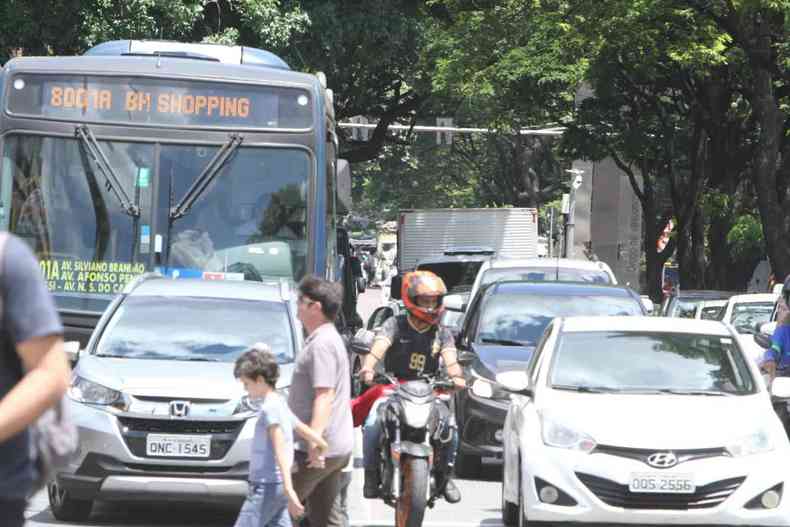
(617, 495)
(223, 434)
(641, 454)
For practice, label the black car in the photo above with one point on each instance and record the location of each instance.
(502, 327)
(683, 303)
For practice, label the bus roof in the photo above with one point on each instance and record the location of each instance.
(215, 52)
(158, 66)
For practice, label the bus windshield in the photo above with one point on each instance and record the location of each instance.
(249, 222)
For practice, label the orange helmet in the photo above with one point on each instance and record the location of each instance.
(423, 284)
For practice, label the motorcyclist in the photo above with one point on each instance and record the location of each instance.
(776, 361)
(410, 346)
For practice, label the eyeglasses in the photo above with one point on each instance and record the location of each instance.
(306, 301)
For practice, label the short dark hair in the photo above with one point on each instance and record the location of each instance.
(330, 294)
(258, 361)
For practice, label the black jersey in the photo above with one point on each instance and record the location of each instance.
(413, 353)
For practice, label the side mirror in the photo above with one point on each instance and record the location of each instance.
(515, 382)
(395, 286)
(648, 304)
(454, 303)
(762, 340)
(467, 358)
(362, 341)
(72, 350)
(767, 328)
(780, 388)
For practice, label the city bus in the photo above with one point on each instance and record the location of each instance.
(196, 160)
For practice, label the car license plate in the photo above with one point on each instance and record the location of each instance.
(165, 445)
(662, 483)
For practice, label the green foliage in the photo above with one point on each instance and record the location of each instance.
(745, 239)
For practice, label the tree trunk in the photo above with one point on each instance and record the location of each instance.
(770, 121)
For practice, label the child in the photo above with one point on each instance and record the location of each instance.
(271, 495)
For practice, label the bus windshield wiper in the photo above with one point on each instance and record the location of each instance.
(206, 177)
(103, 164)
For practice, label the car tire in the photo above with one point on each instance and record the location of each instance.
(510, 511)
(66, 508)
(468, 466)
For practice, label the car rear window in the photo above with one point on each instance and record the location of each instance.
(545, 274)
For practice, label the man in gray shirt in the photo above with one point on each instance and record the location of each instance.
(34, 371)
(320, 395)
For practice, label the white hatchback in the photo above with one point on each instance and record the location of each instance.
(643, 421)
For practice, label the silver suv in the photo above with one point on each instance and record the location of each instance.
(159, 412)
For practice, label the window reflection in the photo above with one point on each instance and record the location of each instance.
(523, 317)
(217, 329)
(643, 361)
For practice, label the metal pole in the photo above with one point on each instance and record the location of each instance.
(551, 232)
(569, 236)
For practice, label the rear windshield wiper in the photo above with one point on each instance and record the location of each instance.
(103, 164)
(585, 389)
(504, 342)
(206, 177)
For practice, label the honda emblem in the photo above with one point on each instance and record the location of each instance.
(179, 408)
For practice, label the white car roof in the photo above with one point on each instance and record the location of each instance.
(754, 298)
(649, 324)
(563, 263)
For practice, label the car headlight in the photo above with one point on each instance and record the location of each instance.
(88, 392)
(247, 405)
(558, 435)
(755, 443)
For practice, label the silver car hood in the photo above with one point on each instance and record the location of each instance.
(169, 378)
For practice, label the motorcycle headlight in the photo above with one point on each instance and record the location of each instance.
(89, 392)
(755, 443)
(559, 435)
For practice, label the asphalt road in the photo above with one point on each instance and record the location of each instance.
(480, 505)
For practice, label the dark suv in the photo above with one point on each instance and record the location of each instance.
(502, 327)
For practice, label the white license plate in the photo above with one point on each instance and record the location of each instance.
(662, 483)
(165, 445)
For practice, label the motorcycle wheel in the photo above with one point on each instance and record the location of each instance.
(410, 507)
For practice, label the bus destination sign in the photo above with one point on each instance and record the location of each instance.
(164, 102)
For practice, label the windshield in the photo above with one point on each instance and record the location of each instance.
(195, 328)
(545, 274)
(746, 315)
(250, 221)
(521, 318)
(671, 362)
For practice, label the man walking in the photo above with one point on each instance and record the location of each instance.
(320, 395)
(34, 372)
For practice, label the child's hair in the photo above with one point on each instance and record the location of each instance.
(258, 361)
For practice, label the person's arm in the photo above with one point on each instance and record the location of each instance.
(450, 357)
(31, 318)
(295, 507)
(45, 381)
(385, 336)
(308, 434)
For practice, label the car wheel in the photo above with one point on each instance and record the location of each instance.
(510, 511)
(66, 508)
(468, 466)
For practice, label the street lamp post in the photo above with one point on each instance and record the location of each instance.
(576, 182)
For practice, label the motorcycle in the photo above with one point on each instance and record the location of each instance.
(414, 417)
